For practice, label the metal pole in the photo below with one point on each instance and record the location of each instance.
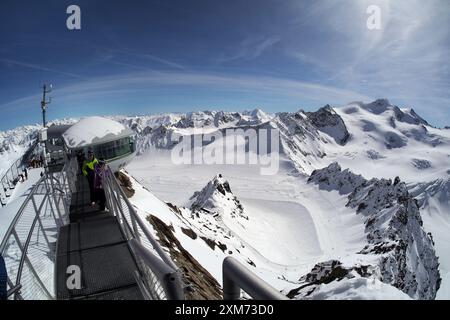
(50, 202)
(39, 220)
(7, 179)
(135, 227)
(231, 291)
(30, 265)
(43, 115)
(169, 277)
(236, 276)
(44, 103)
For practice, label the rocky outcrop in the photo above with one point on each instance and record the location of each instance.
(333, 178)
(125, 183)
(199, 283)
(216, 198)
(403, 252)
(325, 273)
(329, 122)
(300, 140)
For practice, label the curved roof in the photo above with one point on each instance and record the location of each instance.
(94, 130)
(56, 131)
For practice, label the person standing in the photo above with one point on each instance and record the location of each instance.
(100, 172)
(89, 173)
(80, 158)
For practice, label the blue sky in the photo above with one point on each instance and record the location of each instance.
(145, 56)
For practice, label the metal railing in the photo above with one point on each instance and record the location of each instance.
(158, 277)
(10, 178)
(237, 277)
(29, 245)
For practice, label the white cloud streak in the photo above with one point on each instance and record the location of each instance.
(145, 81)
(39, 68)
(251, 48)
(406, 60)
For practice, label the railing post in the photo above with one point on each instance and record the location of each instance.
(135, 228)
(23, 259)
(52, 191)
(231, 291)
(114, 203)
(237, 277)
(39, 219)
(166, 275)
(122, 214)
(7, 179)
(17, 168)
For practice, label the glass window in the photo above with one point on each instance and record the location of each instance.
(115, 148)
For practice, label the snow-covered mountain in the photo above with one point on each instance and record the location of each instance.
(216, 198)
(14, 143)
(375, 140)
(404, 253)
(312, 230)
(158, 130)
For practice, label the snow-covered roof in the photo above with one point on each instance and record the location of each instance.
(56, 131)
(94, 130)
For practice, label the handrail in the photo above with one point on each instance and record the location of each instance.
(13, 290)
(16, 165)
(18, 215)
(237, 277)
(168, 276)
(140, 222)
(136, 230)
(26, 247)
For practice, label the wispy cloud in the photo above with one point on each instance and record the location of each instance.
(132, 83)
(121, 53)
(406, 60)
(164, 61)
(251, 48)
(39, 67)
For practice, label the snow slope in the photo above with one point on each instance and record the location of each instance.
(16, 199)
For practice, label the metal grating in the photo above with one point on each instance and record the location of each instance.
(102, 269)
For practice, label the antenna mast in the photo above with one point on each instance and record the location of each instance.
(45, 102)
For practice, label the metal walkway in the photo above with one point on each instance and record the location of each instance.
(94, 241)
(115, 251)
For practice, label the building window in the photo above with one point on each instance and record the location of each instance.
(113, 149)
